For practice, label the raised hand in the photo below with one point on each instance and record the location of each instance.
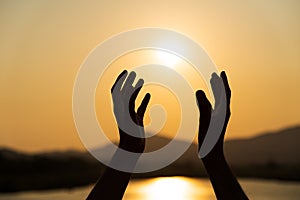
(113, 183)
(216, 116)
(130, 122)
(225, 184)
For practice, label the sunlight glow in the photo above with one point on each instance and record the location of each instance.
(167, 59)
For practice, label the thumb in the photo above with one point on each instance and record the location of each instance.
(205, 115)
(203, 103)
(142, 108)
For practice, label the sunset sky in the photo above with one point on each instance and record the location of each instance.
(43, 44)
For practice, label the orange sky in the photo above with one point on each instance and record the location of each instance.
(43, 44)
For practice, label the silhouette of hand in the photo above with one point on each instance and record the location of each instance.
(130, 122)
(207, 113)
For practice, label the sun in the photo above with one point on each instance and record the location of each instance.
(166, 58)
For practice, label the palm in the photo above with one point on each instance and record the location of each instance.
(130, 122)
(208, 115)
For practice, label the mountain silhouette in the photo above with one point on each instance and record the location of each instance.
(281, 147)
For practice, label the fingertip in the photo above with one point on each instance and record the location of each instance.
(132, 73)
(225, 79)
(223, 75)
(121, 77)
(214, 78)
(124, 72)
(200, 93)
(202, 101)
(201, 96)
(131, 76)
(142, 108)
(226, 84)
(140, 83)
(214, 75)
(148, 96)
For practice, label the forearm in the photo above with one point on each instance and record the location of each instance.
(113, 183)
(225, 184)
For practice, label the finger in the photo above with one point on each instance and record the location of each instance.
(202, 101)
(139, 84)
(119, 81)
(216, 85)
(205, 115)
(129, 81)
(226, 85)
(142, 108)
(137, 89)
(133, 97)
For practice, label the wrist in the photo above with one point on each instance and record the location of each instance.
(131, 148)
(214, 160)
(124, 161)
(131, 143)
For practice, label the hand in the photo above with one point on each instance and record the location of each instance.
(124, 109)
(126, 116)
(225, 184)
(207, 113)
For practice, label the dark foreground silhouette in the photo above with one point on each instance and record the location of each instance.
(113, 183)
(21, 171)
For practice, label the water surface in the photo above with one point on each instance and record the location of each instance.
(175, 188)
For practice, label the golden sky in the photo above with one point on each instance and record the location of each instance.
(43, 44)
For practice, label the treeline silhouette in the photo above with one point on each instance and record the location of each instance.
(19, 171)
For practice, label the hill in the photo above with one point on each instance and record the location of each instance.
(281, 147)
(269, 155)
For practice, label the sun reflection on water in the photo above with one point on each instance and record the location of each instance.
(175, 188)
